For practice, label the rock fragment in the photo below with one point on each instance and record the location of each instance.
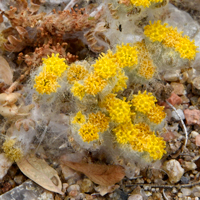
(174, 170)
(192, 116)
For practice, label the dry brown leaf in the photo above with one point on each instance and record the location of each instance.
(105, 175)
(41, 173)
(5, 71)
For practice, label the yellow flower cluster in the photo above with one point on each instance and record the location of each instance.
(79, 118)
(126, 56)
(47, 80)
(54, 64)
(94, 84)
(171, 38)
(12, 152)
(145, 103)
(156, 114)
(105, 66)
(146, 66)
(76, 73)
(89, 132)
(121, 82)
(144, 3)
(78, 90)
(120, 111)
(141, 139)
(100, 120)
(97, 122)
(124, 132)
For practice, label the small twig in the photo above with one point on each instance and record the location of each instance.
(178, 186)
(182, 122)
(164, 195)
(16, 83)
(42, 136)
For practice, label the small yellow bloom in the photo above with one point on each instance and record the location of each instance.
(156, 31)
(124, 133)
(89, 132)
(94, 84)
(76, 73)
(156, 114)
(121, 82)
(46, 82)
(106, 66)
(78, 90)
(171, 38)
(100, 120)
(143, 102)
(155, 146)
(119, 111)
(54, 65)
(79, 118)
(13, 152)
(126, 56)
(146, 69)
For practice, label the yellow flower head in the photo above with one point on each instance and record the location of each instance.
(126, 56)
(121, 82)
(155, 146)
(76, 73)
(46, 82)
(107, 101)
(144, 3)
(171, 38)
(78, 90)
(156, 114)
(143, 102)
(89, 132)
(146, 69)
(119, 111)
(156, 31)
(105, 66)
(140, 132)
(54, 65)
(13, 152)
(79, 118)
(124, 133)
(145, 140)
(94, 84)
(100, 120)
(186, 48)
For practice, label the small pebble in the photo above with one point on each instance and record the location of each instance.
(86, 185)
(179, 88)
(184, 180)
(197, 140)
(147, 193)
(135, 197)
(189, 166)
(194, 134)
(174, 170)
(174, 190)
(175, 115)
(73, 190)
(192, 116)
(180, 194)
(172, 75)
(19, 179)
